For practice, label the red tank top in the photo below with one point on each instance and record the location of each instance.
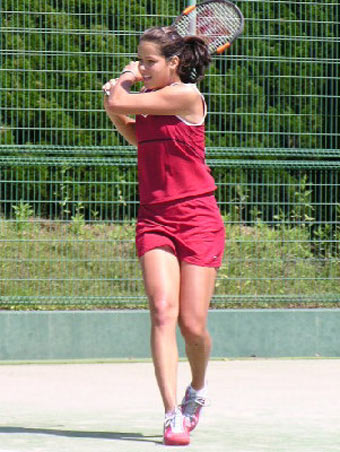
(171, 159)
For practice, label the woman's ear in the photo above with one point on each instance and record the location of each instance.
(174, 62)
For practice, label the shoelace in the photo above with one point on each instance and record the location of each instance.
(190, 405)
(175, 420)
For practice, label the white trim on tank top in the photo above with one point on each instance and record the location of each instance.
(204, 107)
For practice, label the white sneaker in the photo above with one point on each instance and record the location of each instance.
(176, 432)
(191, 406)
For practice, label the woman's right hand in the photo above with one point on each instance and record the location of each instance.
(109, 86)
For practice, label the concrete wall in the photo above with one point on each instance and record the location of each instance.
(105, 335)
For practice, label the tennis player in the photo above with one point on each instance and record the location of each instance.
(180, 233)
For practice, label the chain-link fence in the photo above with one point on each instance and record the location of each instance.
(68, 185)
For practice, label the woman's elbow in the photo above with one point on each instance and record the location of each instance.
(112, 105)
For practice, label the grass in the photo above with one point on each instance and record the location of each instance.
(58, 265)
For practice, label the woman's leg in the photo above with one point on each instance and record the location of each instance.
(196, 290)
(161, 273)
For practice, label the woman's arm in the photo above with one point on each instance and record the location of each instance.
(176, 99)
(125, 125)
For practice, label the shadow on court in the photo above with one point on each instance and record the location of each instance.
(256, 405)
(121, 436)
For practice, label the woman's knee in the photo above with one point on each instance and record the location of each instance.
(163, 311)
(193, 330)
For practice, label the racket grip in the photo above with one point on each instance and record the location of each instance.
(221, 49)
(189, 9)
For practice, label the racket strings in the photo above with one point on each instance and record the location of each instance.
(218, 19)
(217, 23)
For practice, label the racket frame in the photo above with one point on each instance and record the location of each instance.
(225, 46)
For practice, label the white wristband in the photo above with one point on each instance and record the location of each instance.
(129, 70)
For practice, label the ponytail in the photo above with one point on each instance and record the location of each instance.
(194, 59)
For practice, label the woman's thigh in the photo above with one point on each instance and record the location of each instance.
(196, 290)
(161, 275)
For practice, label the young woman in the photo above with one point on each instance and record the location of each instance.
(180, 232)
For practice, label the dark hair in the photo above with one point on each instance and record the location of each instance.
(192, 51)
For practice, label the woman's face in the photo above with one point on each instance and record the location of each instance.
(155, 69)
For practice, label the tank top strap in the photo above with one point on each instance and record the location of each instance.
(205, 108)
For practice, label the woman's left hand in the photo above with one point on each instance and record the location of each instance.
(133, 66)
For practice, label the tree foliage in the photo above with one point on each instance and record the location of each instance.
(274, 89)
(268, 91)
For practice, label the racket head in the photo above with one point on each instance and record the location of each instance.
(218, 22)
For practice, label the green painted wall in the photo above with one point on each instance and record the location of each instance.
(96, 335)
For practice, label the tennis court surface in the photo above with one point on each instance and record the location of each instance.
(256, 405)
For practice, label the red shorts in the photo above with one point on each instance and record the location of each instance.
(192, 228)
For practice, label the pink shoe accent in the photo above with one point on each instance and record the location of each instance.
(191, 408)
(176, 432)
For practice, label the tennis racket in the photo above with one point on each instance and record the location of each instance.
(218, 22)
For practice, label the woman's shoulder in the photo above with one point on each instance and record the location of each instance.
(187, 91)
(176, 88)
(187, 87)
